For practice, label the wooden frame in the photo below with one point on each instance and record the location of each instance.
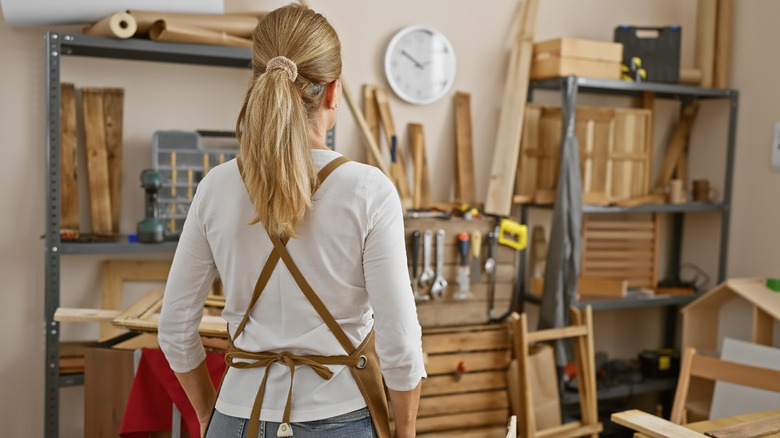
(115, 273)
(711, 368)
(581, 332)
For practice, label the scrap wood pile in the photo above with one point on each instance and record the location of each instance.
(234, 30)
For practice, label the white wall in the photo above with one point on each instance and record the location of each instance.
(162, 96)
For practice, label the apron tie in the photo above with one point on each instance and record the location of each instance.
(265, 359)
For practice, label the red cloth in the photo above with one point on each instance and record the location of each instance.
(155, 387)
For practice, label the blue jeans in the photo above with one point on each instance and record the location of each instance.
(355, 424)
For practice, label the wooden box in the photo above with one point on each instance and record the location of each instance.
(570, 56)
(615, 153)
(448, 311)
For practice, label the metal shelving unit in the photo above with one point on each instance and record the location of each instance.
(58, 45)
(570, 87)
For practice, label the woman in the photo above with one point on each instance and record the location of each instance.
(321, 244)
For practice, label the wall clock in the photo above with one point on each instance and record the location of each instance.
(420, 64)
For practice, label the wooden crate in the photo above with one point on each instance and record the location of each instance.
(621, 250)
(476, 404)
(571, 56)
(615, 153)
(448, 311)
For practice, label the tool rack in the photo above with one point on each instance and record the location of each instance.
(570, 87)
(56, 46)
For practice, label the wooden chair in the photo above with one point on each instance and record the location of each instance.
(581, 332)
(710, 368)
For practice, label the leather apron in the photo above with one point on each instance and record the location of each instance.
(362, 360)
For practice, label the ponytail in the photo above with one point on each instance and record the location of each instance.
(273, 125)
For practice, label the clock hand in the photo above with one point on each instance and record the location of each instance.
(416, 63)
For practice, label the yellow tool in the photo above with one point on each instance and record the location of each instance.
(519, 231)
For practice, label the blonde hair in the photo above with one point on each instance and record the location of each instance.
(273, 125)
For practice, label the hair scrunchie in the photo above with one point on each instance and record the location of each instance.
(286, 64)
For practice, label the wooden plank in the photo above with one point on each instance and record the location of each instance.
(68, 314)
(444, 312)
(464, 152)
(651, 425)
(525, 184)
(726, 371)
(469, 382)
(653, 198)
(555, 333)
(462, 420)
(479, 361)
(482, 432)
(466, 341)
(466, 402)
(621, 225)
(112, 109)
(69, 193)
(372, 118)
(141, 309)
(97, 161)
(570, 430)
(365, 131)
(723, 43)
(398, 169)
(750, 429)
(600, 287)
(422, 184)
(507, 147)
(706, 22)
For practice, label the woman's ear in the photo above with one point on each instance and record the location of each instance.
(332, 94)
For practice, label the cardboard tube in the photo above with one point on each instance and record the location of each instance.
(690, 76)
(117, 25)
(165, 30)
(239, 25)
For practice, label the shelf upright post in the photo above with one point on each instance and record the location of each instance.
(52, 242)
(727, 186)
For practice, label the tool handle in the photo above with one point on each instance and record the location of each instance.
(415, 252)
(476, 243)
(491, 244)
(440, 236)
(394, 150)
(427, 244)
(463, 245)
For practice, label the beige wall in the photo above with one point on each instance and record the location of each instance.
(162, 96)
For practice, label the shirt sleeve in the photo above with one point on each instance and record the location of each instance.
(186, 290)
(398, 332)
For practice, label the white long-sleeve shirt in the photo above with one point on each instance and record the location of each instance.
(350, 249)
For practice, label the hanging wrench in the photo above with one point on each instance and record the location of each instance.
(439, 284)
(427, 274)
(415, 262)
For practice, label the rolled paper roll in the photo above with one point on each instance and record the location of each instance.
(240, 25)
(116, 25)
(170, 31)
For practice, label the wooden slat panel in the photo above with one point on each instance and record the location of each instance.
(466, 402)
(69, 194)
(466, 341)
(460, 421)
(480, 361)
(469, 382)
(444, 313)
(97, 161)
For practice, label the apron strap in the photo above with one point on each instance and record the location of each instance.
(273, 258)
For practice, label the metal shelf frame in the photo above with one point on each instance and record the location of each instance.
(56, 46)
(570, 87)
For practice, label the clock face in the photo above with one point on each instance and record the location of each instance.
(420, 64)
